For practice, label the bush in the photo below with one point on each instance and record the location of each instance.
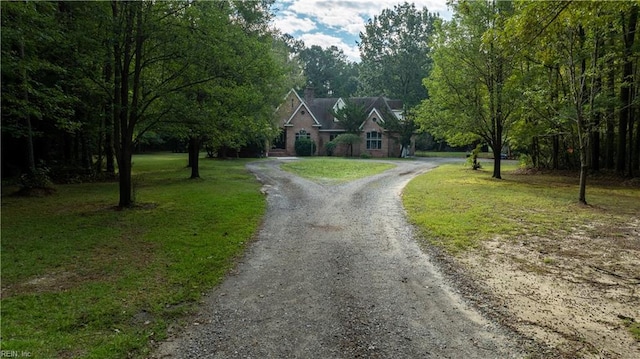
(472, 159)
(365, 155)
(36, 183)
(348, 139)
(526, 161)
(330, 147)
(305, 147)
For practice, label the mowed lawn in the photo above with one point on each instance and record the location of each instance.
(455, 207)
(335, 170)
(81, 279)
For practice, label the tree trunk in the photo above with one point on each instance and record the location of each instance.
(498, 122)
(556, 152)
(194, 154)
(535, 152)
(124, 176)
(108, 123)
(595, 148)
(124, 147)
(31, 159)
(610, 131)
(636, 154)
(190, 153)
(583, 183)
(496, 159)
(625, 91)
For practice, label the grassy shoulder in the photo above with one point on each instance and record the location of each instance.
(82, 279)
(456, 207)
(335, 169)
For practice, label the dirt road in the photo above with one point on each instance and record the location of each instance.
(336, 273)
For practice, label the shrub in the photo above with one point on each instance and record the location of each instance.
(36, 183)
(526, 161)
(472, 160)
(348, 139)
(365, 155)
(305, 147)
(330, 147)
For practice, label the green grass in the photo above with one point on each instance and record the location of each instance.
(451, 154)
(82, 279)
(456, 207)
(335, 169)
(634, 329)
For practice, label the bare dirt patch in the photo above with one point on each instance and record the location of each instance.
(572, 292)
(103, 263)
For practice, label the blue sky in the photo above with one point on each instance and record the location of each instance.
(337, 22)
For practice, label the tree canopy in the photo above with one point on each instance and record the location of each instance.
(85, 80)
(395, 49)
(554, 81)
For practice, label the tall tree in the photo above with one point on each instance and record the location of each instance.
(473, 90)
(329, 72)
(629, 23)
(395, 49)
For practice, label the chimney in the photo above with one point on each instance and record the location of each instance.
(309, 94)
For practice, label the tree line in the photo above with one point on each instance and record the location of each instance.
(556, 81)
(84, 83)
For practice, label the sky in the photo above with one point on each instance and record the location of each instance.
(337, 22)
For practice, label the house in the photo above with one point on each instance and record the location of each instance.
(311, 117)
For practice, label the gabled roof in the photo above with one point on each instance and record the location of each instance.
(320, 108)
(287, 95)
(302, 104)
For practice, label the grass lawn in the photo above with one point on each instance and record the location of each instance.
(81, 279)
(335, 169)
(456, 207)
(451, 154)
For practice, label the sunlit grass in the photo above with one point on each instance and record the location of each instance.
(456, 207)
(335, 169)
(81, 279)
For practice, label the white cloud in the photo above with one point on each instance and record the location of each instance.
(290, 23)
(337, 22)
(324, 41)
(351, 16)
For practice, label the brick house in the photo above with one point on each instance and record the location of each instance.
(311, 117)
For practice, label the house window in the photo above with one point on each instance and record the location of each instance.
(374, 140)
(302, 134)
(333, 136)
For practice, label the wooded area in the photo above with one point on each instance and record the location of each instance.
(554, 81)
(85, 84)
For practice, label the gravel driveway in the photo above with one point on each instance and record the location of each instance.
(336, 273)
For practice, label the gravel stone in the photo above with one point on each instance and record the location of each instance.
(336, 272)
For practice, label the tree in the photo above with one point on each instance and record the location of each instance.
(350, 116)
(578, 49)
(348, 139)
(329, 72)
(473, 90)
(396, 53)
(234, 108)
(404, 127)
(627, 114)
(49, 89)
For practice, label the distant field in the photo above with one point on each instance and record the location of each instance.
(81, 279)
